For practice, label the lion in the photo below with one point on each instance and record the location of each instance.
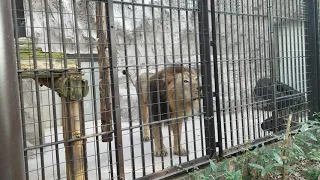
(173, 95)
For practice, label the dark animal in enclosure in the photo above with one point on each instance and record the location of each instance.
(288, 101)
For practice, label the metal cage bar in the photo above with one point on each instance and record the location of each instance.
(11, 158)
(244, 41)
(312, 50)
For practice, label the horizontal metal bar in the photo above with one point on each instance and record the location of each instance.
(69, 141)
(174, 171)
(147, 5)
(243, 147)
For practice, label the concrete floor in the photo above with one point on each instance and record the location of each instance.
(194, 146)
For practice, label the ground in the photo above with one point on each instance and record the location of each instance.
(302, 168)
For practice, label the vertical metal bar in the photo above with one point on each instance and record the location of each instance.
(82, 116)
(52, 88)
(174, 80)
(138, 80)
(295, 68)
(316, 5)
(36, 78)
(183, 93)
(11, 156)
(148, 85)
(68, 111)
(258, 76)
(222, 85)
(239, 71)
(312, 55)
(94, 96)
(165, 66)
(245, 74)
(233, 61)
(284, 45)
(189, 61)
(227, 60)
(204, 103)
(265, 49)
(273, 64)
(208, 93)
(291, 38)
(250, 73)
(129, 97)
(115, 89)
(111, 160)
(216, 76)
(255, 76)
(16, 36)
(197, 60)
(299, 54)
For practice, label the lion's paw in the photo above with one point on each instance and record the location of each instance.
(161, 152)
(182, 152)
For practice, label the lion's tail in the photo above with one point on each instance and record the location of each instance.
(125, 72)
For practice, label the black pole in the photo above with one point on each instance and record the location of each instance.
(312, 56)
(11, 153)
(206, 74)
(216, 75)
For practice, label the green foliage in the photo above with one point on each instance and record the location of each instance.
(265, 161)
(313, 174)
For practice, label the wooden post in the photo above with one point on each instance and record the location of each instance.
(71, 123)
(72, 129)
(104, 72)
(72, 89)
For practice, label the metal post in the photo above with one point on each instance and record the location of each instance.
(312, 55)
(273, 63)
(207, 77)
(115, 90)
(11, 155)
(216, 76)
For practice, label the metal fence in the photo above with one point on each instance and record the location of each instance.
(149, 88)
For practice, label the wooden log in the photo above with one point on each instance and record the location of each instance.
(104, 72)
(71, 122)
(74, 87)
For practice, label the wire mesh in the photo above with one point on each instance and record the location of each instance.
(258, 40)
(98, 78)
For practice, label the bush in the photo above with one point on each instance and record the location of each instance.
(264, 162)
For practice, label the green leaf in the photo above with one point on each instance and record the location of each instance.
(256, 166)
(208, 171)
(264, 172)
(310, 135)
(270, 166)
(298, 148)
(237, 175)
(291, 171)
(275, 172)
(303, 141)
(213, 166)
(277, 158)
(304, 127)
(223, 165)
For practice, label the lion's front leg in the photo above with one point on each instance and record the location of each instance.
(160, 149)
(177, 129)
